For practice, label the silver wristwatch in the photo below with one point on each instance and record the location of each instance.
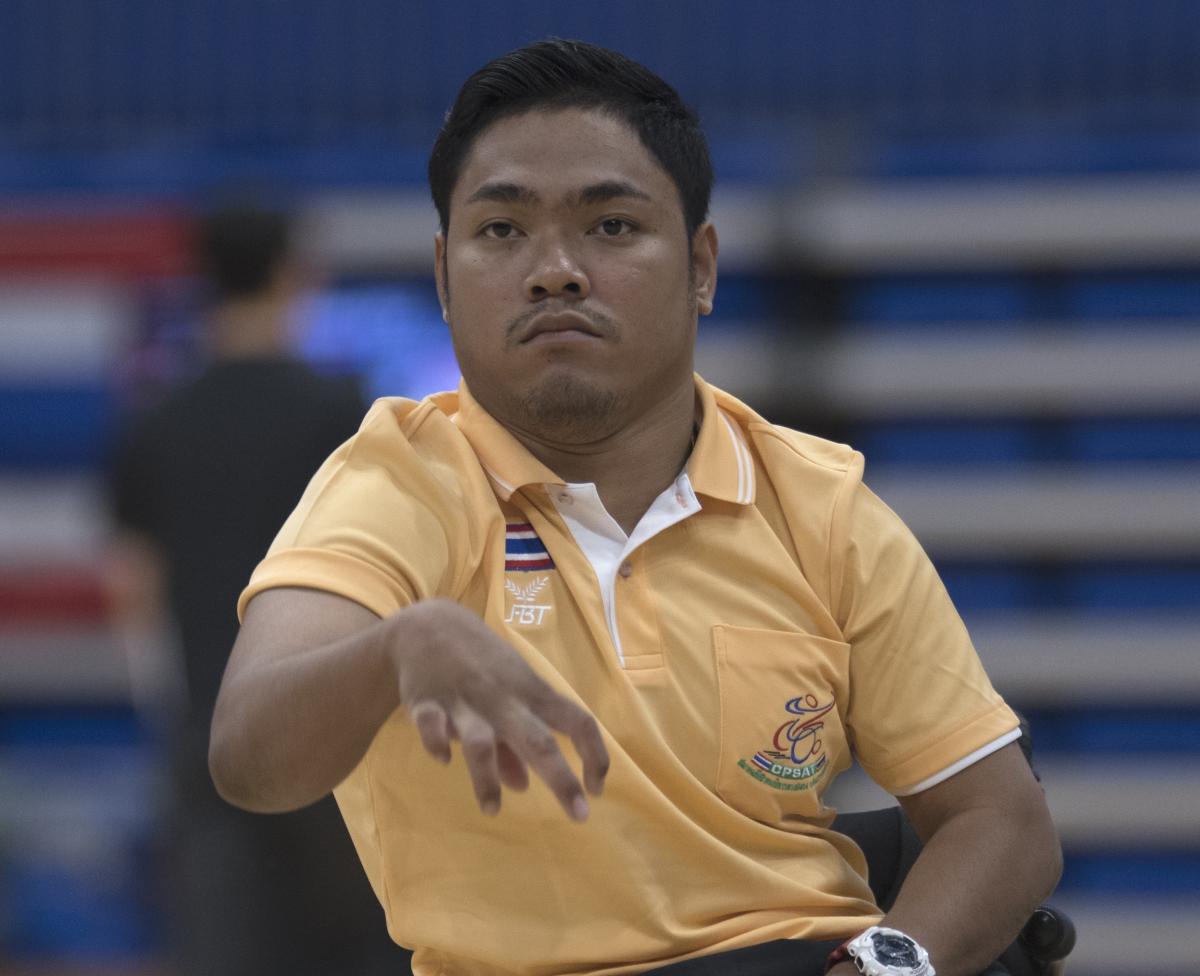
(888, 952)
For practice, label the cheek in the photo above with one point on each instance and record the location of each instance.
(472, 272)
(647, 289)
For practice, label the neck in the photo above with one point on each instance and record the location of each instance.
(250, 328)
(633, 465)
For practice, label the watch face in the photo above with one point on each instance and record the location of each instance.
(894, 950)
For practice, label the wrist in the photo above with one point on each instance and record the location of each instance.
(397, 639)
(407, 633)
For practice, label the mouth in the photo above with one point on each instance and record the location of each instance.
(559, 327)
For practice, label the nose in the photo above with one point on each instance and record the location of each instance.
(556, 273)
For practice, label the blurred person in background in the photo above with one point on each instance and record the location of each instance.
(200, 485)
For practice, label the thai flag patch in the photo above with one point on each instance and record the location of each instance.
(523, 550)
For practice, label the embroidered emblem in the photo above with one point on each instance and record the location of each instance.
(524, 611)
(797, 759)
(523, 550)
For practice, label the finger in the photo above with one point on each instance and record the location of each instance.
(434, 728)
(532, 741)
(513, 772)
(563, 715)
(478, 741)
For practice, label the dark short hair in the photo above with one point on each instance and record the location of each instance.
(240, 247)
(556, 74)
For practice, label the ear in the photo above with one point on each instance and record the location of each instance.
(704, 267)
(439, 274)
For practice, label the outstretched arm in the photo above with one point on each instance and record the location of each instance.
(991, 855)
(313, 676)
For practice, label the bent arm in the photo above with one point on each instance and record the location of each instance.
(991, 855)
(313, 676)
(309, 682)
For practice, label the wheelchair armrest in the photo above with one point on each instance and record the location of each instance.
(1049, 935)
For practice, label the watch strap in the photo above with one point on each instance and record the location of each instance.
(838, 954)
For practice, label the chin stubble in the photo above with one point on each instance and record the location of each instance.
(569, 408)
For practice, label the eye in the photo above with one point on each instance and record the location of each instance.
(499, 230)
(615, 227)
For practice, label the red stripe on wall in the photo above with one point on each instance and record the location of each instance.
(142, 243)
(75, 596)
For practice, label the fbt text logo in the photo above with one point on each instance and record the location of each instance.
(524, 611)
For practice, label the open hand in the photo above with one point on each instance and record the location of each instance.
(460, 681)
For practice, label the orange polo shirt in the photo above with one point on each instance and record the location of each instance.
(768, 619)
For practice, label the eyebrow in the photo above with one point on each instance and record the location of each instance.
(609, 190)
(603, 192)
(503, 193)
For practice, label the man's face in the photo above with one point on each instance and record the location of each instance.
(571, 291)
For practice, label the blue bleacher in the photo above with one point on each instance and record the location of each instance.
(79, 870)
(1002, 442)
(952, 443)
(1081, 588)
(1126, 441)
(1033, 151)
(905, 301)
(1156, 875)
(1098, 729)
(1167, 294)
(1135, 587)
(56, 427)
(162, 94)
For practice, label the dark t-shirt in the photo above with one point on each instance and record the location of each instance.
(210, 475)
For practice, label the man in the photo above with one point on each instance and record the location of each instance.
(201, 484)
(587, 541)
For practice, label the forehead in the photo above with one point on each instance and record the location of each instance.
(556, 153)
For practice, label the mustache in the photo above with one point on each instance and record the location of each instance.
(603, 325)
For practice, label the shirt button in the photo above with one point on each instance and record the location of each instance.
(680, 499)
(626, 569)
(565, 497)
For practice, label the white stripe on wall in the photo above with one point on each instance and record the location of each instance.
(1047, 659)
(63, 328)
(1133, 511)
(51, 520)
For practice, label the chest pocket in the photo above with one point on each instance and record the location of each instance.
(782, 740)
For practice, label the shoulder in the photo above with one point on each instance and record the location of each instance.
(416, 424)
(823, 457)
(416, 442)
(789, 453)
(404, 497)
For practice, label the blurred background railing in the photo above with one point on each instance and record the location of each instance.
(963, 237)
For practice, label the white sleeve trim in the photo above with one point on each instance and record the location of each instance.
(958, 767)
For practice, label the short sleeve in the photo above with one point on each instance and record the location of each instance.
(920, 701)
(377, 524)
